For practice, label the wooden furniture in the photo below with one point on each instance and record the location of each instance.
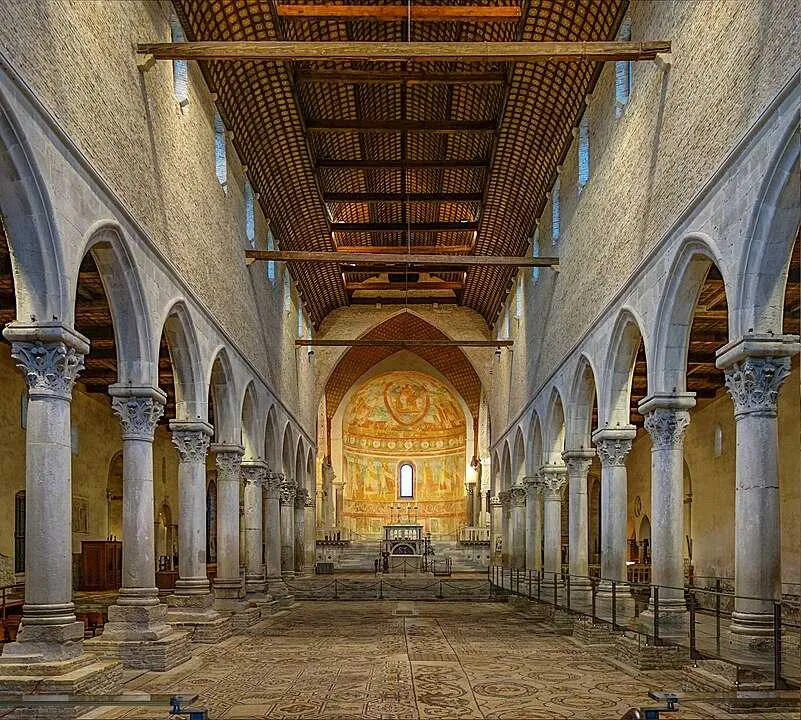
(165, 579)
(101, 565)
(11, 604)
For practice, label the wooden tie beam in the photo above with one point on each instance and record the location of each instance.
(389, 197)
(404, 250)
(402, 164)
(442, 127)
(409, 77)
(345, 227)
(395, 13)
(368, 258)
(404, 343)
(462, 52)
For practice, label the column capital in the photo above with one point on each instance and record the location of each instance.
(228, 459)
(517, 496)
(138, 408)
(288, 488)
(301, 495)
(614, 444)
(253, 471)
(310, 499)
(553, 478)
(578, 462)
(495, 501)
(757, 345)
(666, 426)
(272, 484)
(50, 358)
(753, 383)
(669, 401)
(504, 497)
(191, 439)
(533, 485)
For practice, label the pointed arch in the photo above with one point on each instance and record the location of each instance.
(535, 444)
(250, 424)
(692, 263)
(105, 242)
(271, 439)
(506, 480)
(583, 400)
(311, 479)
(519, 469)
(620, 360)
(555, 428)
(221, 391)
(300, 466)
(287, 456)
(190, 388)
(495, 473)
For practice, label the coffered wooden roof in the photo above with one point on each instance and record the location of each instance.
(452, 156)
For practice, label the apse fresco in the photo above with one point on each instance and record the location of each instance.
(399, 417)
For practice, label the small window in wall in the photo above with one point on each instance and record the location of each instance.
(519, 296)
(718, 440)
(180, 68)
(19, 532)
(270, 263)
(535, 252)
(556, 214)
(623, 72)
(250, 216)
(583, 152)
(406, 480)
(220, 158)
(287, 293)
(301, 323)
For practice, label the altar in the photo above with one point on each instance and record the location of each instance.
(403, 539)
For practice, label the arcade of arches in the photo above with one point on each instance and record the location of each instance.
(550, 357)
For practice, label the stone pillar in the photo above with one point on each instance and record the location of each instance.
(517, 507)
(578, 464)
(554, 478)
(506, 545)
(228, 590)
(329, 511)
(50, 358)
(496, 530)
(470, 500)
(755, 368)
(301, 495)
(310, 525)
(533, 523)
(613, 446)
(288, 489)
(272, 533)
(254, 473)
(666, 419)
(339, 504)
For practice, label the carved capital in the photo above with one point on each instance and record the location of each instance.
(138, 415)
(517, 496)
(301, 495)
(613, 451)
(228, 463)
(495, 501)
(50, 368)
(272, 484)
(754, 382)
(254, 473)
(553, 479)
(666, 427)
(578, 462)
(310, 498)
(504, 498)
(191, 439)
(288, 489)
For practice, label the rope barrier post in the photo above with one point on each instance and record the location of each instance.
(529, 584)
(440, 596)
(614, 605)
(539, 586)
(717, 615)
(336, 597)
(567, 586)
(555, 592)
(692, 626)
(381, 588)
(657, 641)
(777, 646)
(593, 591)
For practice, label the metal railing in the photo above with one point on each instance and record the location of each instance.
(474, 535)
(702, 629)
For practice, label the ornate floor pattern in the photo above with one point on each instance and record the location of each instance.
(404, 661)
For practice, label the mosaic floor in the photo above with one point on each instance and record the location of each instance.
(406, 660)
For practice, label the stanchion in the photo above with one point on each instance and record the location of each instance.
(656, 615)
(440, 596)
(692, 626)
(777, 646)
(614, 605)
(717, 615)
(539, 585)
(567, 590)
(381, 588)
(555, 592)
(593, 591)
(336, 597)
(501, 575)
(529, 584)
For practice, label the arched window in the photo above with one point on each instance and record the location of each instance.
(19, 532)
(623, 72)
(220, 158)
(556, 214)
(180, 68)
(583, 151)
(519, 296)
(718, 440)
(250, 216)
(301, 322)
(535, 252)
(270, 263)
(406, 481)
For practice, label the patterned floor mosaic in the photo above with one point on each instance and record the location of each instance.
(405, 660)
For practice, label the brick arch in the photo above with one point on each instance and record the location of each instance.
(450, 361)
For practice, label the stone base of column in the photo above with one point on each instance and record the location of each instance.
(751, 632)
(277, 587)
(624, 603)
(245, 617)
(650, 657)
(599, 635)
(77, 676)
(195, 614)
(44, 643)
(580, 594)
(225, 590)
(287, 574)
(140, 637)
(254, 584)
(673, 618)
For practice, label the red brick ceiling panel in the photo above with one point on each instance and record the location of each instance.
(450, 361)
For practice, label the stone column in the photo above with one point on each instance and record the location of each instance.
(578, 464)
(301, 495)
(506, 545)
(517, 506)
(613, 446)
(496, 530)
(310, 525)
(272, 533)
(666, 419)
(470, 500)
(554, 478)
(329, 511)
(192, 599)
(755, 369)
(254, 473)
(228, 590)
(288, 489)
(339, 504)
(533, 523)
(50, 357)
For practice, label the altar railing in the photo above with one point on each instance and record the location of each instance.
(474, 535)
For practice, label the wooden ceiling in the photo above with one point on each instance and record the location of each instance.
(444, 156)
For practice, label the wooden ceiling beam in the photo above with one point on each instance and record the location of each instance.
(345, 227)
(413, 300)
(403, 164)
(370, 285)
(393, 259)
(462, 52)
(400, 13)
(404, 250)
(318, 342)
(436, 127)
(400, 77)
(388, 197)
